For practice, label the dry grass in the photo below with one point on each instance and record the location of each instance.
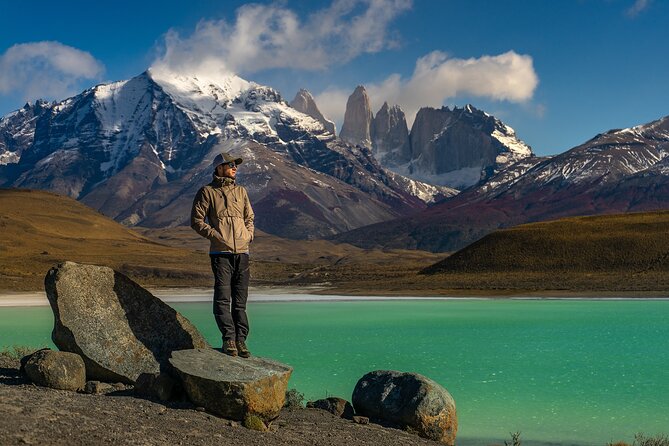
(39, 229)
(627, 253)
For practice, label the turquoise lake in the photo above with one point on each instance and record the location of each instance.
(559, 371)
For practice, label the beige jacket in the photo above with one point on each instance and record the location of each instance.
(222, 213)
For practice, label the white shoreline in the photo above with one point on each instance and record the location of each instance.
(264, 294)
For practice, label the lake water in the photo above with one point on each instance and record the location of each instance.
(559, 371)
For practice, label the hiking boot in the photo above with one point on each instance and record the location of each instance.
(229, 348)
(243, 350)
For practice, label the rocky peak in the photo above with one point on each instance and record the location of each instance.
(17, 130)
(462, 146)
(390, 136)
(304, 102)
(357, 119)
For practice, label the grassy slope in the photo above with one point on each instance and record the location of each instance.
(618, 252)
(39, 229)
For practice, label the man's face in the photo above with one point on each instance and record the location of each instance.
(226, 170)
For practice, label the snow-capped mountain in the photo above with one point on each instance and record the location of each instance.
(605, 160)
(137, 150)
(619, 171)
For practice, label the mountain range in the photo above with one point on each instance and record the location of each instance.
(623, 170)
(457, 148)
(138, 150)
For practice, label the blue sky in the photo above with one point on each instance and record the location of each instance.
(558, 72)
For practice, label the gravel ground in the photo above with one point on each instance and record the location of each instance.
(36, 415)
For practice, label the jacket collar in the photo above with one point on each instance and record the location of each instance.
(222, 181)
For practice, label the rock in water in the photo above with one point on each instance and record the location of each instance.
(58, 370)
(119, 328)
(232, 387)
(407, 400)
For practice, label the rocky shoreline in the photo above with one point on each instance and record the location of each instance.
(118, 340)
(30, 414)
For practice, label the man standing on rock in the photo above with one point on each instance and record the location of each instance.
(222, 213)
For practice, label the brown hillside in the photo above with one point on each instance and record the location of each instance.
(39, 229)
(614, 255)
(637, 242)
(309, 253)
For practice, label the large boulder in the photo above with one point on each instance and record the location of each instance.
(232, 387)
(58, 370)
(407, 400)
(120, 329)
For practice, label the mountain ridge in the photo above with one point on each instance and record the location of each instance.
(617, 171)
(137, 147)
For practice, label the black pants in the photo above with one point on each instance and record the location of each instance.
(231, 290)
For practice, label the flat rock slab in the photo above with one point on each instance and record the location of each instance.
(232, 387)
(119, 328)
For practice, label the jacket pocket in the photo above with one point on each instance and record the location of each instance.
(225, 230)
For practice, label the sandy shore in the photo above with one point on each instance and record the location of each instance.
(174, 295)
(301, 294)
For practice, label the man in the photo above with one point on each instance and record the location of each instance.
(222, 213)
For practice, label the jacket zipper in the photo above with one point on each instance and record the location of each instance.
(232, 222)
(234, 238)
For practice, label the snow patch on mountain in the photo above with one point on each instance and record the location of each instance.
(517, 148)
(454, 180)
(9, 158)
(428, 193)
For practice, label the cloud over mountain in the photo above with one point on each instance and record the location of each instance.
(45, 70)
(271, 36)
(436, 78)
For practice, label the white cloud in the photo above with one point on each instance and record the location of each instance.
(45, 70)
(269, 36)
(638, 7)
(436, 78)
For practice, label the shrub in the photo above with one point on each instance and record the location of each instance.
(294, 399)
(641, 439)
(658, 440)
(515, 439)
(254, 422)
